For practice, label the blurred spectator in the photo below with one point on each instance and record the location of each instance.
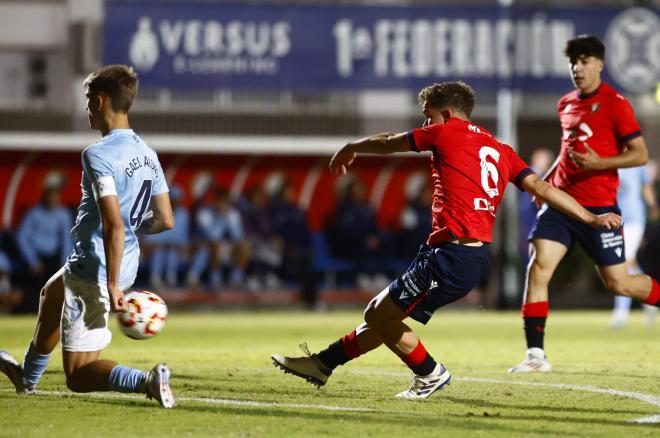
(637, 200)
(169, 248)
(219, 240)
(9, 298)
(415, 220)
(266, 245)
(355, 236)
(540, 162)
(44, 241)
(290, 224)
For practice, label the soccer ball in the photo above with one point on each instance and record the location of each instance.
(146, 315)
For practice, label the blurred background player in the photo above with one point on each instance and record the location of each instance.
(266, 245)
(540, 161)
(169, 248)
(354, 235)
(220, 240)
(600, 134)
(290, 223)
(10, 297)
(470, 172)
(44, 241)
(123, 191)
(636, 199)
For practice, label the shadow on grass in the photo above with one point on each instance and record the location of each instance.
(481, 403)
(476, 418)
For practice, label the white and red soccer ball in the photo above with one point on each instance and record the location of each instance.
(146, 315)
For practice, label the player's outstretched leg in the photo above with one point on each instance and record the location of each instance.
(307, 367)
(316, 368)
(155, 383)
(85, 372)
(640, 287)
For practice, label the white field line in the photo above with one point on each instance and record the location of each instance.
(215, 401)
(645, 398)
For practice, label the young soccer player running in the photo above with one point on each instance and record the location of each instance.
(123, 192)
(470, 170)
(600, 134)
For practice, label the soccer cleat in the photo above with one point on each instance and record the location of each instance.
(535, 362)
(424, 386)
(158, 386)
(14, 371)
(309, 367)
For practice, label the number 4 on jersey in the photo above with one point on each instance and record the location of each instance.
(141, 204)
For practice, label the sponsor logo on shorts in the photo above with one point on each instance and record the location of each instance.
(613, 241)
(74, 309)
(409, 286)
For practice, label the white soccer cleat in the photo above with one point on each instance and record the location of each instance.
(12, 369)
(309, 368)
(424, 386)
(158, 386)
(535, 362)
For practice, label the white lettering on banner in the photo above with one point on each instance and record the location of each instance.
(208, 47)
(459, 47)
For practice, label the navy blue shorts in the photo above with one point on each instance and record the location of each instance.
(439, 275)
(605, 247)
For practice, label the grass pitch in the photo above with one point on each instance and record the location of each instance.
(601, 383)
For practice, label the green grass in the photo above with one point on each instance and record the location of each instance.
(226, 356)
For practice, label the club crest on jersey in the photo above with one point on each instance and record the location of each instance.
(618, 252)
(595, 106)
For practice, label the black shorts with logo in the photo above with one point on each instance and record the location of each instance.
(605, 247)
(439, 275)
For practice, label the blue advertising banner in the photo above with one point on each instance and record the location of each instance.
(191, 45)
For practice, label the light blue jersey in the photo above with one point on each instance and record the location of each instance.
(629, 196)
(134, 167)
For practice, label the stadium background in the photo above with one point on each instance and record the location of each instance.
(247, 127)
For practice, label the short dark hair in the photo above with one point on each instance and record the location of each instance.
(457, 95)
(119, 82)
(584, 45)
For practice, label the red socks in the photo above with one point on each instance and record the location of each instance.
(350, 346)
(654, 297)
(534, 317)
(420, 361)
(535, 310)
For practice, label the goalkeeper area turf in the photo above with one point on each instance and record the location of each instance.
(603, 383)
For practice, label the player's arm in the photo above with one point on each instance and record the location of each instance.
(160, 217)
(636, 154)
(113, 245)
(384, 143)
(565, 203)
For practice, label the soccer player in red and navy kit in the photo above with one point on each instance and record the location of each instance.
(600, 134)
(470, 171)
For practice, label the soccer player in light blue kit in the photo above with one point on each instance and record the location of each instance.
(636, 199)
(123, 192)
